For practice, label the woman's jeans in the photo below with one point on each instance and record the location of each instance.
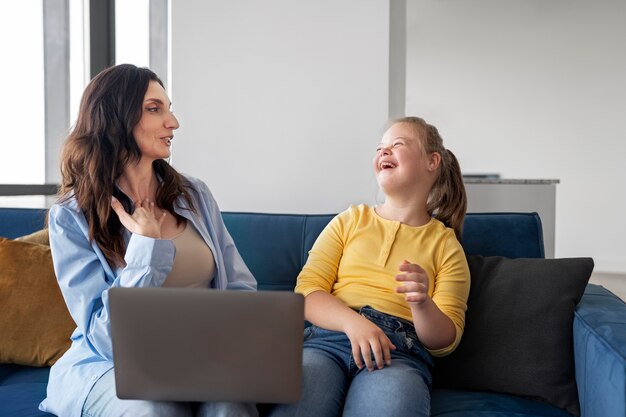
(102, 401)
(334, 386)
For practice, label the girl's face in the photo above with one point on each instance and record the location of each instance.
(400, 163)
(155, 130)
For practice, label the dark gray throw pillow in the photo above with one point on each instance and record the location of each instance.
(518, 333)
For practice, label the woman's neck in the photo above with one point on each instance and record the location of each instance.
(139, 182)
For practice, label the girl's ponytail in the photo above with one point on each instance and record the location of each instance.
(447, 201)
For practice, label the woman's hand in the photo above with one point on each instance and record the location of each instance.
(414, 283)
(367, 338)
(143, 221)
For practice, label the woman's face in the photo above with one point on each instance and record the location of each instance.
(155, 130)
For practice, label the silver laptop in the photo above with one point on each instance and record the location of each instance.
(176, 344)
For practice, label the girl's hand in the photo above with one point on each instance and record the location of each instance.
(414, 283)
(143, 221)
(367, 338)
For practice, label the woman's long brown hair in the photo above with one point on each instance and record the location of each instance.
(447, 201)
(98, 148)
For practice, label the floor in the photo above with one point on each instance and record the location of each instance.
(616, 283)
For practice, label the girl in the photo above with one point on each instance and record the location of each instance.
(386, 286)
(126, 218)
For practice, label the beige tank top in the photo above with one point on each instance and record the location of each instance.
(194, 266)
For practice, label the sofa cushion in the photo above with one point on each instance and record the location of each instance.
(514, 235)
(22, 388)
(274, 246)
(15, 222)
(518, 335)
(461, 403)
(34, 321)
(600, 352)
(40, 236)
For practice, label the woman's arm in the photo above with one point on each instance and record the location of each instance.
(85, 277)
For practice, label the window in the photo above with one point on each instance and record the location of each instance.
(22, 105)
(50, 52)
(132, 32)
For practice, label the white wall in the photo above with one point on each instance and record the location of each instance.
(280, 101)
(532, 89)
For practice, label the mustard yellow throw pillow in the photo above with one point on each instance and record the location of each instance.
(35, 325)
(40, 236)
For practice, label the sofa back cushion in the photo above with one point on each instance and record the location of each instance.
(276, 246)
(16, 222)
(512, 235)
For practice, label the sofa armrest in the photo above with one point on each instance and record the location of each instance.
(600, 353)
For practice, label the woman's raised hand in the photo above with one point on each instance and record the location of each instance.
(144, 220)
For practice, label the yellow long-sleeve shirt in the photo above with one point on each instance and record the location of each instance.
(356, 259)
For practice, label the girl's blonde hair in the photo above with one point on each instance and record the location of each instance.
(447, 200)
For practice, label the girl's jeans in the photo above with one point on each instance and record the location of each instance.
(334, 386)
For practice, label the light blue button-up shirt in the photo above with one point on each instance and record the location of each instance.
(85, 278)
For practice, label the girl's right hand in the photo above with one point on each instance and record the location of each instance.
(366, 339)
(143, 221)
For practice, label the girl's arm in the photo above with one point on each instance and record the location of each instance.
(325, 310)
(439, 320)
(434, 329)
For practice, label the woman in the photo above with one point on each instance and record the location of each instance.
(126, 218)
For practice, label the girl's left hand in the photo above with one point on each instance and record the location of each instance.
(414, 283)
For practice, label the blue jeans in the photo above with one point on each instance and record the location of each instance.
(102, 401)
(334, 386)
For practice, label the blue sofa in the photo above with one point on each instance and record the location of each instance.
(275, 247)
